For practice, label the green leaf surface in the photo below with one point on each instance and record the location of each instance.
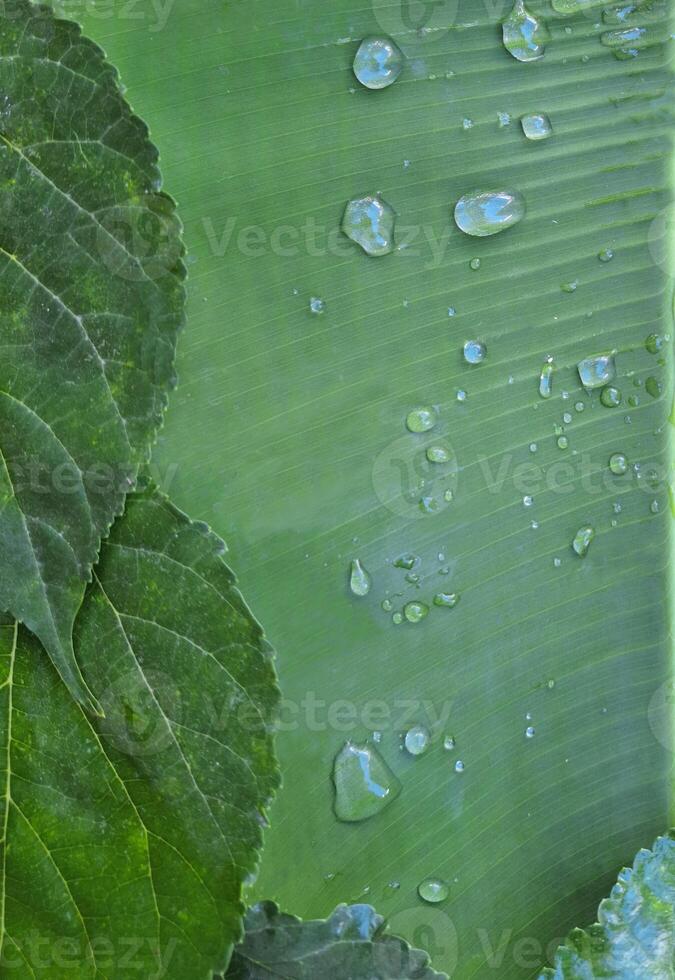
(349, 945)
(91, 300)
(635, 932)
(126, 840)
(288, 435)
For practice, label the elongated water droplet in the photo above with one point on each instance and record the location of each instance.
(446, 599)
(421, 419)
(618, 464)
(378, 62)
(619, 15)
(369, 221)
(364, 783)
(610, 397)
(536, 126)
(627, 42)
(417, 740)
(359, 579)
(546, 378)
(525, 37)
(595, 372)
(475, 351)
(415, 612)
(582, 540)
(433, 890)
(655, 507)
(483, 213)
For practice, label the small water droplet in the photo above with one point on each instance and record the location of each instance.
(459, 766)
(448, 496)
(446, 599)
(406, 561)
(317, 305)
(397, 618)
(528, 500)
(653, 387)
(475, 264)
(369, 221)
(525, 37)
(364, 784)
(461, 395)
(536, 126)
(421, 419)
(449, 743)
(579, 406)
(415, 612)
(654, 343)
(562, 442)
(582, 540)
(452, 311)
(529, 732)
(359, 579)
(595, 372)
(378, 62)
(606, 255)
(467, 123)
(570, 287)
(428, 505)
(557, 562)
(610, 397)
(483, 213)
(417, 740)
(546, 378)
(533, 447)
(433, 890)
(438, 454)
(504, 119)
(394, 885)
(475, 351)
(618, 464)
(655, 507)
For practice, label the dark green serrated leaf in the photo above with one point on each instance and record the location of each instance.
(127, 839)
(349, 945)
(91, 300)
(634, 938)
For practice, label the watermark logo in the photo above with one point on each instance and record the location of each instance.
(408, 484)
(140, 708)
(429, 20)
(140, 240)
(426, 928)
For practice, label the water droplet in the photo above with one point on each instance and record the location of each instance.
(595, 372)
(364, 784)
(483, 213)
(626, 43)
(421, 420)
(448, 496)
(619, 15)
(417, 740)
(438, 454)
(557, 562)
(579, 406)
(570, 287)
(504, 119)
(433, 890)
(534, 525)
(378, 62)
(387, 605)
(467, 123)
(406, 561)
(606, 255)
(475, 264)
(446, 599)
(618, 464)
(397, 618)
(582, 540)
(653, 387)
(546, 378)
(449, 743)
(428, 505)
(536, 126)
(610, 397)
(529, 732)
(525, 37)
(369, 221)
(528, 500)
(394, 885)
(359, 579)
(654, 343)
(533, 447)
(562, 442)
(415, 612)
(655, 507)
(461, 395)
(452, 311)
(317, 305)
(550, 683)
(459, 766)
(475, 351)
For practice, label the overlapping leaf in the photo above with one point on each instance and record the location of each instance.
(126, 840)
(350, 945)
(90, 304)
(635, 933)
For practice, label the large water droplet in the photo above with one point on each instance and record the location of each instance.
(378, 62)
(546, 378)
(433, 890)
(618, 464)
(582, 540)
(421, 419)
(475, 351)
(610, 397)
(525, 37)
(364, 783)
(417, 740)
(483, 213)
(626, 43)
(536, 126)
(595, 372)
(359, 579)
(369, 221)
